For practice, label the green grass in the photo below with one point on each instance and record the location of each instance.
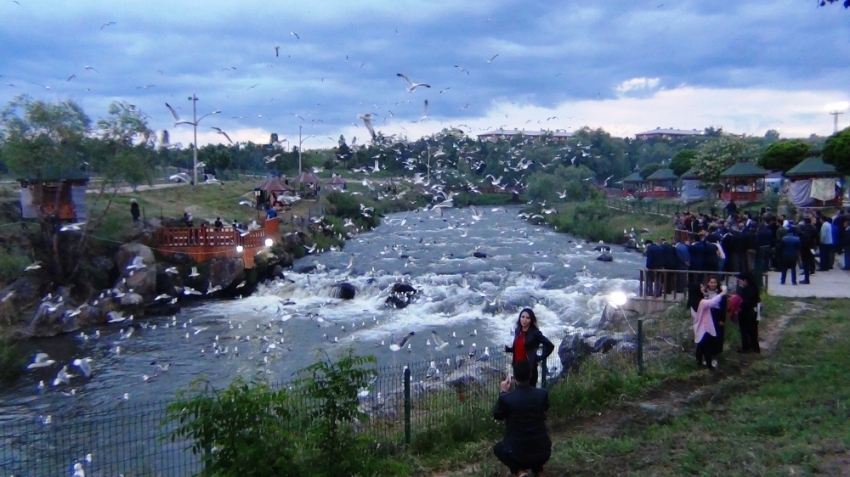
(781, 415)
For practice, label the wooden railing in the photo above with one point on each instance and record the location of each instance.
(672, 285)
(206, 242)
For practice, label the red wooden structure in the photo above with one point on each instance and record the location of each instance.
(744, 182)
(204, 243)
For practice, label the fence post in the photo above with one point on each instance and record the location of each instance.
(640, 346)
(407, 405)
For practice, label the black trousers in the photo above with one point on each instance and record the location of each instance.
(749, 331)
(705, 350)
(510, 460)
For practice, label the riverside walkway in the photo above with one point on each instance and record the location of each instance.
(832, 284)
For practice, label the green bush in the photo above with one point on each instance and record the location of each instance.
(11, 360)
(12, 264)
(250, 429)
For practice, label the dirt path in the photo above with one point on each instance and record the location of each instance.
(665, 403)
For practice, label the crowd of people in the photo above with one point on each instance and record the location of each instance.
(747, 242)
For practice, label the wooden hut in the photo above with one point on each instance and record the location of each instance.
(309, 181)
(632, 185)
(661, 183)
(814, 183)
(743, 182)
(59, 194)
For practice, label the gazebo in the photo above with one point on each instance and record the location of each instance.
(743, 182)
(269, 190)
(310, 181)
(632, 184)
(661, 183)
(57, 193)
(814, 183)
(335, 183)
(692, 187)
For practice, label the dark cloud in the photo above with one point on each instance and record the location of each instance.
(549, 53)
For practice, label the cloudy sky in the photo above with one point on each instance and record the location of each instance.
(744, 65)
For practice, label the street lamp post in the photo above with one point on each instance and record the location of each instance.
(301, 141)
(194, 123)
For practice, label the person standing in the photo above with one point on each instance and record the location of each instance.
(526, 444)
(705, 333)
(789, 252)
(671, 262)
(825, 245)
(134, 210)
(845, 238)
(748, 315)
(718, 315)
(527, 340)
(684, 261)
(654, 261)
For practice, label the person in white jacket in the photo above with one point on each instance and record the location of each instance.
(825, 247)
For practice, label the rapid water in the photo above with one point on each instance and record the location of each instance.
(285, 323)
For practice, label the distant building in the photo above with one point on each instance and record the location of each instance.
(497, 134)
(667, 134)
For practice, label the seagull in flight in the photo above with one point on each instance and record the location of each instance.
(223, 134)
(424, 111)
(367, 121)
(400, 344)
(295, 35)
(106, 25)
(462, 69)
(91, 68)
(72, 227)
(277, 51)
(440, 344)
(492, 58)
(410, 84)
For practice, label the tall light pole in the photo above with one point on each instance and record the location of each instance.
(194, 123)
(835, 120)
(301, 141)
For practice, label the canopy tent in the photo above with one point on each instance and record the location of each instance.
(814, 180)
(273, 184)
(692, 187)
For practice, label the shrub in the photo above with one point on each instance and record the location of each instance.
(12, 264)
(11, 360)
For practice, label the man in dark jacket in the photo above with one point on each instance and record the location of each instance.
(134, 210)
(671, 262)
(654, 261)
(683, 258)
(526, 445)
(845, 239)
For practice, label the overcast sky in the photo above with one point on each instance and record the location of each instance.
(626, 66)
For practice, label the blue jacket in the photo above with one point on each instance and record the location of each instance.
(684, 255)
(790, 247)
(697, 250)
(655, 257)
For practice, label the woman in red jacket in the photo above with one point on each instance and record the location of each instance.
(527, 339)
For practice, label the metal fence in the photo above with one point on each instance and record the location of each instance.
(403, 404)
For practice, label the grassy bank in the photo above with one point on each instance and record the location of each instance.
(783, 414)
(596, 221)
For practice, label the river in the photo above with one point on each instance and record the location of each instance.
(279, 328)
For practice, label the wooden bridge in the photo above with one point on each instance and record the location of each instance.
(207, 242)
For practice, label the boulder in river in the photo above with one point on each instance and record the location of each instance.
(605, 257)
(344, 290)
(128, 251)
(401, 295)
(225, 271)
(479, 255)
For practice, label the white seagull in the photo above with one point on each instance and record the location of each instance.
(411, 85)
(42, 360)
(223, 134)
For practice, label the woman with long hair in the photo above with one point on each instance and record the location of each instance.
(705, 334)
(718, 313)
(527, 340)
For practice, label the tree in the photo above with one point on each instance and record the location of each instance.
(836, 151)
(846, 2)
(650, 169)
(40, 137)
(682, 161)
(784, 155)
(772, 135)
(718, 155)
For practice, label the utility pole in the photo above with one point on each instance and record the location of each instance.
(194, 100)
(835, 120)
(299, 149)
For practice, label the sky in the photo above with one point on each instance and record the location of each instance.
(747, 66)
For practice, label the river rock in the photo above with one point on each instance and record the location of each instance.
(128, 251)
(27, 289)
(473, 373)
(142, 282)
(401, 295)
(605, 257)
(570, 353)
(344, 290)
(225, 271)
(479, 255)
(131, 298)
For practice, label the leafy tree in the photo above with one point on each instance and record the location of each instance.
(718, 155)
(836, 151)
(784, 155)
(772, 135)
(650, 169)
(713, 132)
(682, 161)
(41, 137)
